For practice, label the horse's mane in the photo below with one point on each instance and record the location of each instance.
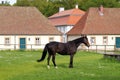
(76, 40)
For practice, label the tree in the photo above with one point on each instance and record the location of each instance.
(86, 4)
(46, 7)
(23, 3)
(49, 7)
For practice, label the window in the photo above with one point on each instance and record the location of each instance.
(105, 40)
(92, 40)
(7, 41)
(51, 39)
(37, 41)
(62, 29)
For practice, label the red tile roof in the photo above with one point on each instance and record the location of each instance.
(94, 23)
(24, 20)
(67, 17)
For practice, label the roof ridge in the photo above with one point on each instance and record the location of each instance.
(60, 14)
(18, 6)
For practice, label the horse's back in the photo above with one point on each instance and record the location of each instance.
(56, 46)
(53, 45)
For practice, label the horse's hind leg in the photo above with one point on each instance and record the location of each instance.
(53, 60)
(48, 61)
(71, 61)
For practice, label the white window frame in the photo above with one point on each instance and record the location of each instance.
(105, 40)
(37, 41)
(51, 39)
(93, 40)
(7, 41)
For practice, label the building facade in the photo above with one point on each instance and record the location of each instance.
(25, 28)
(102, 27)
(15, 42)
(64, 20)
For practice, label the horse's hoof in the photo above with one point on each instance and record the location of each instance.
(48, 67)
(56, 67)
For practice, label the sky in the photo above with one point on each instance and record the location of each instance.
(10, 1)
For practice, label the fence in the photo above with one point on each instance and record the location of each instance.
(21, 46)
(96, 48)
(101, 48)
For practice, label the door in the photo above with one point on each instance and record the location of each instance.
(117, 42)
(22, 43)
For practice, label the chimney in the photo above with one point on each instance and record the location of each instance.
(61, 9)
(101, 10)
(76, 6)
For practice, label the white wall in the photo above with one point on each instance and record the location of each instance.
(30, 41)
(99, 42)
(99, 39)
(111, 41)
(64, 30)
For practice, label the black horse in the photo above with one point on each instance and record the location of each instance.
(68, 48)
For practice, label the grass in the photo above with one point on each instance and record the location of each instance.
(22, 65)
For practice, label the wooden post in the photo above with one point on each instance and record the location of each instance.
(31, 47)
(96, 48)
(105, 49)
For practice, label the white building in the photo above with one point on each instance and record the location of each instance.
(102, 26)
(11, 2)
(25, 28)
(64, 20)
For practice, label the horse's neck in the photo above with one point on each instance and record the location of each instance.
(77, 42)
(77, 45)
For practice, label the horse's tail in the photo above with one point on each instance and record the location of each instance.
(43, 54)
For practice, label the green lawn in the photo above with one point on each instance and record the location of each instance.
(22, 65)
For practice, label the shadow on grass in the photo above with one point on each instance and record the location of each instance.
(42, 65)
(63, 65)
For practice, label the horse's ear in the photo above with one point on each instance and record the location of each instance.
(83, 35)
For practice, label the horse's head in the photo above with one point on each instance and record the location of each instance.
(85, 41)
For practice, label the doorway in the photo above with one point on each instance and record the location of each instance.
(22, 43)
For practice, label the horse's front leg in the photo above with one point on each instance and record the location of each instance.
(53, 60)
(71, 61)
(48, 61)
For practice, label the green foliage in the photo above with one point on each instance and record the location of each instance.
(49, 7)
(17, 65)
(86, 4)
(23, 3)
